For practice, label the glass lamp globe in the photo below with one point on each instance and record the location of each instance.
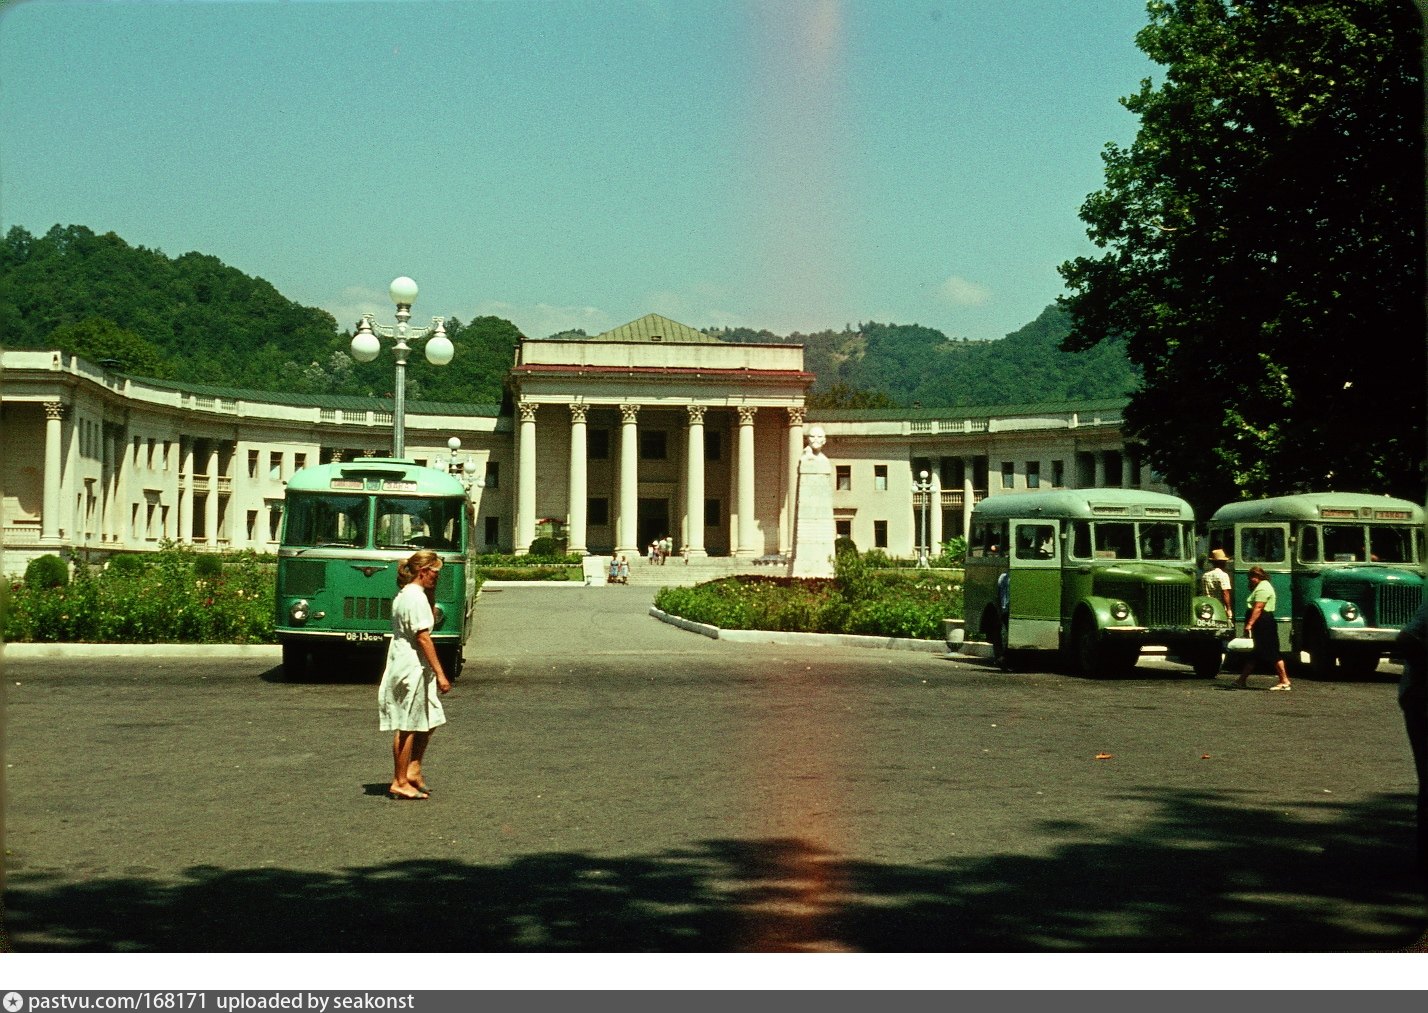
(403, 291)
(440, 350)
(365, 346)
(453, 444)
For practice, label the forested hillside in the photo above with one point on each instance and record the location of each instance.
(195, 318)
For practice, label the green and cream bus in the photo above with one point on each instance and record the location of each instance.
(1096, 574)
(1347, 570)
(345, 528)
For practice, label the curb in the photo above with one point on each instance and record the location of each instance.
(30, 652)
(789, 639)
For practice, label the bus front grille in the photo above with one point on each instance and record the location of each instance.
(1397, 603)
(366, 608)
(1167, 605)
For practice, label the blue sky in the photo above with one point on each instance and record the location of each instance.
(794, 166)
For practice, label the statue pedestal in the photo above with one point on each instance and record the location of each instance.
(813, 531)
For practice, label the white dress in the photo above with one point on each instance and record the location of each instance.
(407, 699)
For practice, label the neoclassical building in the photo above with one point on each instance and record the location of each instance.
(652, 429)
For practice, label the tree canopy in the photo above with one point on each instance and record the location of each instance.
(1263, 251)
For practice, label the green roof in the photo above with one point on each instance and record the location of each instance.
(1360, 506)
(653, 327)
(1083, 503)
(343, 402)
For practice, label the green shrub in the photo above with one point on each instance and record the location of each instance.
(953, 554)
(545, 548)
(129, 563)
(47, 572)
(208, 566)
(843, 544)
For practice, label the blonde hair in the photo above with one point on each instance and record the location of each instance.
(422, 559)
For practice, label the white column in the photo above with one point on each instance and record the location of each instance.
(748, 530)
(790, 499)
(54, 450)
(934, 507)
(210, 505)
(109, 483)
(186, 477)
(1099, 481)
(579, 484)
(694, 483)
(969, 493)
(628, 509)
(526, 479)
(1127, 472)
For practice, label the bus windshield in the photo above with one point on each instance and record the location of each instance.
(323, 519)
(403, 522)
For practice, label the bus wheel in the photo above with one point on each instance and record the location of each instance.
(1206, 660)
(1359, 664)
(1321, 655)
(295, 662)
(451, 659)
(1095, 658)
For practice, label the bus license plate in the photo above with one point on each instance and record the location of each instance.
(365, 638)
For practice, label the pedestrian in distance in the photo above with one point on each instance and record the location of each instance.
(1216, 581)
(1412, 648)
(408, 699)
(1259, 626)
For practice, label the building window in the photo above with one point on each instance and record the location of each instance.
(844, 481)
(1058, 473)
(275, 467)
(299, 462)
(150, 456)
(713, 446)
(653, 445)
(1008, 475)
(711, 513)
(597, 444)
(880, 477)
(597, 511)
(1033, 474)
(252, 525)
(843, 529)
(275, 518)
(493, 479)
(253, 464)
(880, 534)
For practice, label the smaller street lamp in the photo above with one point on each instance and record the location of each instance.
(924, 489)
(464, 470)
(366, 347)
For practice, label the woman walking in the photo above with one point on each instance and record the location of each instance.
(1259, 625)
(408, 703)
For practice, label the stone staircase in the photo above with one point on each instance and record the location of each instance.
(675, 572)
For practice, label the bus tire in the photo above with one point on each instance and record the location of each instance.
(1322, 663)
(1097, 659)
(1206, 660)
(295, 661)
(1359, 663)
(451, 659)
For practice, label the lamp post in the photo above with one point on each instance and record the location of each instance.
(465, 471)
(924, 489)
(366, 347)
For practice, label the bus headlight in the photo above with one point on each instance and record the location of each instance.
(1204, 612)
(1120, 611)
(299, 612)
(1349, 611)
(439, 615)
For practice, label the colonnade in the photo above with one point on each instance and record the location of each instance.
(745, 537)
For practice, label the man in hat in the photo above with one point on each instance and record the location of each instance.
(1216, 582)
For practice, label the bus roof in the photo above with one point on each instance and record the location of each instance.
(1317, 506)
(386, 474)
(1086, 503)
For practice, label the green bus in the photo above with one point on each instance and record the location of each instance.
(1096, 574)
(1347, 570)
(346, 526)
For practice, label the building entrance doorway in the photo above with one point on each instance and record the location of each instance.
(653, 522)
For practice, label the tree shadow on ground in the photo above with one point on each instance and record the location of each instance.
(1205, 874)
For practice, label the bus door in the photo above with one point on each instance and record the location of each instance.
(1033, 591)
(1264, 544)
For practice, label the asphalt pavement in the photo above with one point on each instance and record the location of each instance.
(609, 782)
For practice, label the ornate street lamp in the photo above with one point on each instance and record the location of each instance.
(366, 347)
(924, 489)
(464, 470)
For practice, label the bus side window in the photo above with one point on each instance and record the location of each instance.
(1081, 539)
(1388, 544)
(1035, 541)
(1309, 544)
(1262, 545)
